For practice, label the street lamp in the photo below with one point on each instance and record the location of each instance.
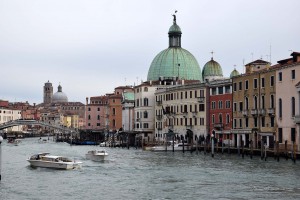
(1, 139)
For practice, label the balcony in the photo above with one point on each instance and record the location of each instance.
(201, 99)
(138, 119)
(159, 128)
(262, 111)
(158, 103)
(245, 112)
(271, 111)
(159, 117)
(218, 125)
(297, 119)
(254, 112)
(189, 127)
(195, 113)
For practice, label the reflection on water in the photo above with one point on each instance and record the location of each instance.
(137, 174)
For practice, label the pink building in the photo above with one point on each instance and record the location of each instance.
(288, 101)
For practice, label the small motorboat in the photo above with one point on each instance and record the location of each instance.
(96, 155)
(169, 147)
(51, 161)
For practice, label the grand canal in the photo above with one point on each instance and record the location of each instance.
(137, 174)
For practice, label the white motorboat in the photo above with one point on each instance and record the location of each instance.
(96, 155)
(169, 147)
(51, 161)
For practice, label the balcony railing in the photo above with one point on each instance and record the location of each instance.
(271, 111)
(158, 117)
(218, 125)
(262, 111)
(254, 112)
(297, 119)
(201, 99)
(158, 103)
(189, 126)
(245, 112)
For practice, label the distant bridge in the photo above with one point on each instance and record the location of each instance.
(19, 122)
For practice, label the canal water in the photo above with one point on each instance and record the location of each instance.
(136, 174)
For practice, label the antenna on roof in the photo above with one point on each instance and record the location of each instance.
(270, 54)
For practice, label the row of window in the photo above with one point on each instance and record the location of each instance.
(293, 107)
(220, 119)
(142, 125)
(263, 122)
(180, 95)
(183, 122)
(240, 106)
(181, 109)
(293, 135)
(220, 104)
(239, 85)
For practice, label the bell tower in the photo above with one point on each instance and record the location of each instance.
(48, 92)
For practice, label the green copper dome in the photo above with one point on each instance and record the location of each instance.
(174, 29)
(174, 61)
(169, 61)
(212, 70)
(234, 73)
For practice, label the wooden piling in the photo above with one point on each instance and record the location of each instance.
(285, 150)
(242, 148)
(251, 149)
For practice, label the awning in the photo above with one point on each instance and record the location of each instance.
(241, 131)
(266, 133)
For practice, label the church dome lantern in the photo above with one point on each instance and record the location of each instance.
(174, 61)
(59, 96)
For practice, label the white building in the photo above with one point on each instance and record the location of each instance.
(7, 114)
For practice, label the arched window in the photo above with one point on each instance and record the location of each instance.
(98, 117)
(280, 108)
(255, 102)
(220, 118)
(89, 117)
(213, 119)
(145, 89)
(227, 119)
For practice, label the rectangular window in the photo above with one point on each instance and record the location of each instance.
(241, 106)
(272, 124)
(263, 122)
(191, 94)
(272, 81)
(293, 134)
(201, 107)
(241, 124)
(262, 82)
(227, 89)
(213, 91)
(234, 87)
(293, 74)
(247, 122)
(240, 85)
(220, 90)
(255, 121)
(227, 104)
(280, 135)
(255, 83)
(213, 105)
(234, 107)
(279, 76)
(234, 123)
(246, 85)
(220, 104)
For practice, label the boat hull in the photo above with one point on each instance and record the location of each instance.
(55, 165)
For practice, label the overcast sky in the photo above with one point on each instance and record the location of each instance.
(93, 46)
